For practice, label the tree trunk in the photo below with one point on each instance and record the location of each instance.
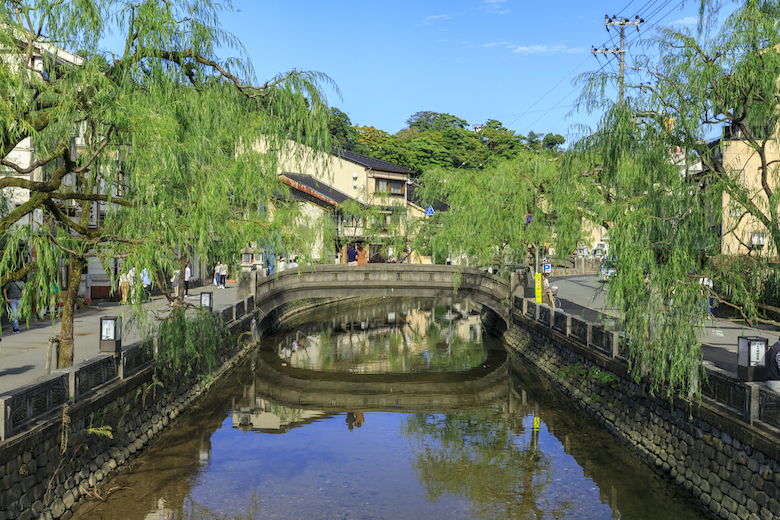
(180, 288)
(66, 349)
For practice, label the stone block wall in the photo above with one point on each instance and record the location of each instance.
(47, 470)
(729, 466)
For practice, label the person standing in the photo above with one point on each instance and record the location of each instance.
(124, 286)
(361, 255)
(187, 274)
(12, 293)
(352, 255)
(773, 367)
(223, 271)
(146, 281)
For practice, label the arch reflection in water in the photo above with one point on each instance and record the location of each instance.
(406, 335)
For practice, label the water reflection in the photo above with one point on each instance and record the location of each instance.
(398, 336)
(252, 450)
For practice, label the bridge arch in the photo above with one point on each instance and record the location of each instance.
(388, 280)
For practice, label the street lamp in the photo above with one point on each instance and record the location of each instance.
(111, 334)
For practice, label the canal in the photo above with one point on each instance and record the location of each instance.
(402, 409)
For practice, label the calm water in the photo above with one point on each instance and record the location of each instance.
(244, 455)
(398, 336)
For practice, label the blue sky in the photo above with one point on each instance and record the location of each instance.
(476, 59)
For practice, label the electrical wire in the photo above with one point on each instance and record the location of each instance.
(646, 8)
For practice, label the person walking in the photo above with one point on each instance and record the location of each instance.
(12, 293)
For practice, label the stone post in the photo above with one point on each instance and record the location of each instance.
(516, 287)
(752, 402)
(247, 281)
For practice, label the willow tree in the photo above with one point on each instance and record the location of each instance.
(493, 215)
(684, 175)
(155, 136)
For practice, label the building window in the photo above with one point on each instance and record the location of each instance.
(391, 187)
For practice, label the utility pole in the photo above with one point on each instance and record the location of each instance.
(622, 23)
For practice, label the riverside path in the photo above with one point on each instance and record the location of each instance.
(23, 356)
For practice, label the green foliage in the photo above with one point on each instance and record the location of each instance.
(667, 173)
(589, 374)
(437, 140)
(187, 344)
(345, 135)
(485, 223)
(160, 135)
(101, 431)
(552, 141)
(425, 121)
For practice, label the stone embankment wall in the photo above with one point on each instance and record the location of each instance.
(48, 469)
(730, 467)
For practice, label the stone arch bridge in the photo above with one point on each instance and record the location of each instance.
(379, 280)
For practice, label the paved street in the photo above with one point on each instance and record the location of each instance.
(583, 295)
(23, 356)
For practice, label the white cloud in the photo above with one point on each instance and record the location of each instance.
(495, 6)
(496, 44)
(688, 21)
(436, 18)
(545, 49)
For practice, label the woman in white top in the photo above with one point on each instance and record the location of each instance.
(223, 271)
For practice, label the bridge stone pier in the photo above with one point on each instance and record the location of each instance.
(380, 280)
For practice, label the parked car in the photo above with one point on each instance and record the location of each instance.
(608, 269)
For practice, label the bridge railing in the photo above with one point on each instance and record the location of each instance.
(328, 280)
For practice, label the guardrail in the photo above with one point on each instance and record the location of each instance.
(24, 407)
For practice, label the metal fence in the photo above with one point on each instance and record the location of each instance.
(736, 396)
(24, 407)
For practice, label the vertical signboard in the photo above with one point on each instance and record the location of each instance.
(538, 284)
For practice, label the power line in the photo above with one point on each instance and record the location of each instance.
(645, 7)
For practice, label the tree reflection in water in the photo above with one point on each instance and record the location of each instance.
(393, 337)
(475, 455)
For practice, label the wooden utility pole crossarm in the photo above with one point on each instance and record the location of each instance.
(621, 52)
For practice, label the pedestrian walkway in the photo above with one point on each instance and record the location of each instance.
(23, 356)
(581, 295)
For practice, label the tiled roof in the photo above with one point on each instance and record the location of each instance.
(315, 188)
(411, 196)
(370, 162)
